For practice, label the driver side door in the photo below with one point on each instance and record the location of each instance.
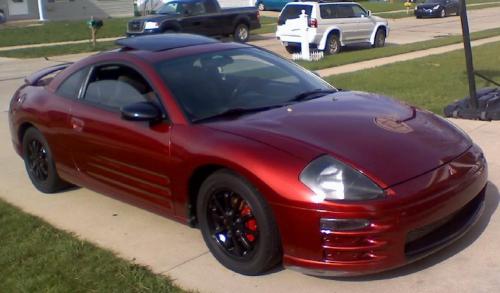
(117, 156)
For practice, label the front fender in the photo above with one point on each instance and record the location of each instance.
(374, 32)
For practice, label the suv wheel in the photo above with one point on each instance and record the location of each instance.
(332, 45)
(379, 39)
(241, 33)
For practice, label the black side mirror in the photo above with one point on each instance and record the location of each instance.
(141, 111)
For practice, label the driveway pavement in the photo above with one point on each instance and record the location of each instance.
(470, 265)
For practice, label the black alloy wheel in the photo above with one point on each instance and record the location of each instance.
(39, 163)
(237, 224)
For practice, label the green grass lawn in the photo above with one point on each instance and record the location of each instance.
(60, 31)
(35, 257)
(364, 54)
(431, 82)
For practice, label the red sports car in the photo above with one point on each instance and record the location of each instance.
(270, 162)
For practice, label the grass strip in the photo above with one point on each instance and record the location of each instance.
(36, 257)
(364, 54)
(430, 82)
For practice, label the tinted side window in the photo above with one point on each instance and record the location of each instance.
(116, 86)
(358, 11)
(327, 11)
(344, 11)
(293, 11)
(70, 87)
(210, 6)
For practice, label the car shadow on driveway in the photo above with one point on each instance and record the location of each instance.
(491, 203)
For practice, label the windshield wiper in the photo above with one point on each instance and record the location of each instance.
(312, 94)
(237, 112)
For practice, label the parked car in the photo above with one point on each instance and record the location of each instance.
(331, 26)
(2, 16)
(272, 4)
(437, 8)
(268, 160)
(204, 17)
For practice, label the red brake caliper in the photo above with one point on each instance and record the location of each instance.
(250, 224)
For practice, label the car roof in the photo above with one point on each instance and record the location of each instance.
(163, 42)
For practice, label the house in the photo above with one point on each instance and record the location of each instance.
(82, 9)
(65, 9)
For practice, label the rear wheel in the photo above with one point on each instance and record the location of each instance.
(332, 45)
(241, 33)
(40, 164)
(379, 39)
(237, 224)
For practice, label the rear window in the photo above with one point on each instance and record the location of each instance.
(293, 11)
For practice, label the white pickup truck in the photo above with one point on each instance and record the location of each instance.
(330, 26)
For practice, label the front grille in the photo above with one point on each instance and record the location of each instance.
(135, 26)
(435, 235)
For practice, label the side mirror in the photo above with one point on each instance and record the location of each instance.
(141, 111)
(369, 12)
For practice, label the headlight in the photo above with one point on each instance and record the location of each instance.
(435, 7)
(331, 179)
(151, 25)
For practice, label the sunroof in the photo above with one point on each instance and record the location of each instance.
(162, 42)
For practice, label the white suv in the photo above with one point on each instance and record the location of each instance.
(331, 26)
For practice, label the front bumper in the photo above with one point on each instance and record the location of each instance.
(418, 217)
(427, 13)
(144, 32)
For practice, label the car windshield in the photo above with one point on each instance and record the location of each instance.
(210, 84)
(174, 7)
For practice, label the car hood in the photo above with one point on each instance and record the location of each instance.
(156, 17)
(389, 141)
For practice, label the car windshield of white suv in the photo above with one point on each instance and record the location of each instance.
(210, 84)
(293, 12)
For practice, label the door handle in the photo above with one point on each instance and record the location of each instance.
(77, 124)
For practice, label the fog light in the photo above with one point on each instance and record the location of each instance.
(332, 225)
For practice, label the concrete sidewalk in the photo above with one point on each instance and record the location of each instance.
(469, 265)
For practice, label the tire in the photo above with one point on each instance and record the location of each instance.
(231, 212)
(379, 41)
(241, 33)
(39, 163)
(332, 45)
(261, 6)
(292, 49)
(442, 13)
(457, 13)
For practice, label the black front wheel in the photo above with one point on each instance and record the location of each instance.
(241, 33)
(237, 224)
(40, 164)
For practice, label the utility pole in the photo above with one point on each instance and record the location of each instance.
(473, 101)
